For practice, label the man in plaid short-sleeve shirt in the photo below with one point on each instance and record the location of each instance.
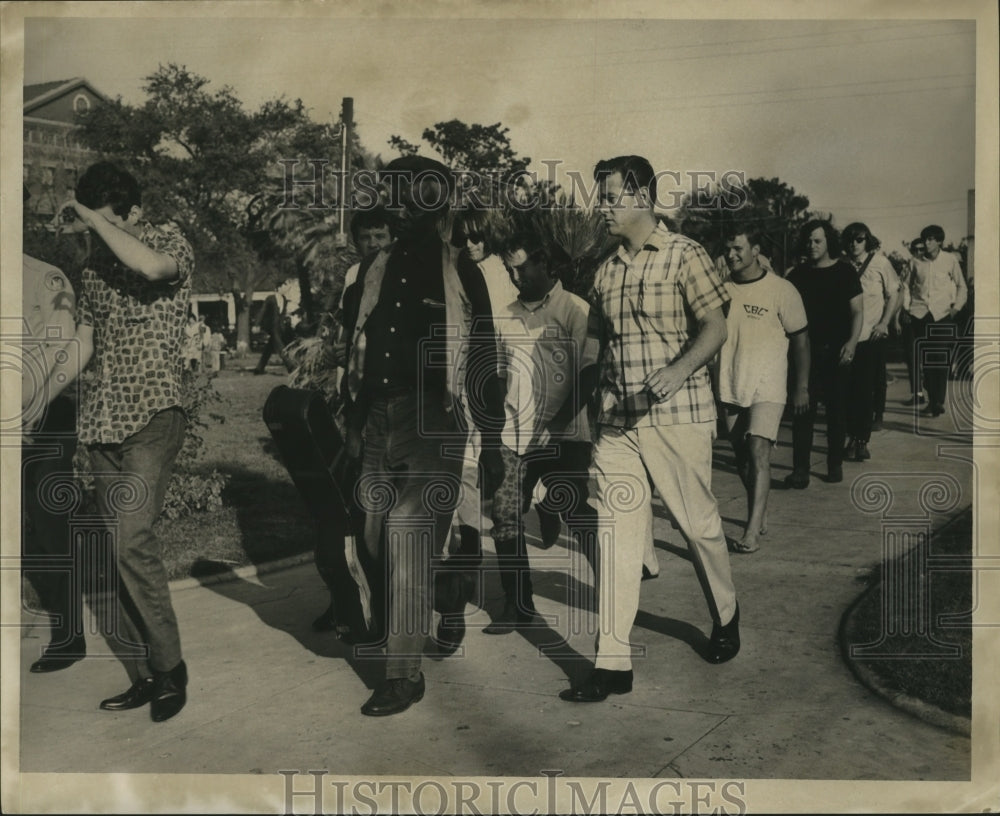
(662, 306)
(132, 312)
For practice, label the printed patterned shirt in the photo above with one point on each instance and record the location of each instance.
(138, 338)
(650, 308)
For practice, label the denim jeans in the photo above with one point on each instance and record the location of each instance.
(409, 488)
(130, 480)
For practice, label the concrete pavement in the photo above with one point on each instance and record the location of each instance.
(267, 693)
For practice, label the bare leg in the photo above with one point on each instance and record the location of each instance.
(757, 492)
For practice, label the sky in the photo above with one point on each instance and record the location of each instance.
(873, 120)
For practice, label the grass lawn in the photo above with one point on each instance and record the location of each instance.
(943, 681)
(263, 518)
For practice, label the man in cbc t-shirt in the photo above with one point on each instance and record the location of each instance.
(766, 313)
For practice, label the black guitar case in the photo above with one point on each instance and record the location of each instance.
(313, 452)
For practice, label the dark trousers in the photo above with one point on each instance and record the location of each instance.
(564, 470)
(279, 331)
(932, 345)
(51, 559)
(130, 481)
(829, 383)
(908, 344)
(867, 374)
(410, 485)
(882, 386)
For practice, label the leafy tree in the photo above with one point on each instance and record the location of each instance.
(769, 206)
(205, 162)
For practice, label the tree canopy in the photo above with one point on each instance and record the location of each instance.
(770, 207)
(206, 162)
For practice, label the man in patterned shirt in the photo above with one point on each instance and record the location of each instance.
(662, 305)
(132, 310)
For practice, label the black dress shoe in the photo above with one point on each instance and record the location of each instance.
(514, 616)
(725, 642)
(450, 633)
(55, 658)
(326, 622)
(863, 454)
(394, 696)
(138, 694)
(797, 481)
(834, 474)
(598, 685)
(169, 692)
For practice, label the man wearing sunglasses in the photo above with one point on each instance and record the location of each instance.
(662, 313)
(881, 295)
(473, 236)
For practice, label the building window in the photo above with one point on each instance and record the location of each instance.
(81, 103)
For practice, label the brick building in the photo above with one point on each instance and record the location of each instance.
(53, 154)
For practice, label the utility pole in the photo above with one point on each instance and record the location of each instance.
(346, 139)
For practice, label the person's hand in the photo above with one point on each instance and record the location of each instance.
(800, 400)
(493, 472)
(847, 354)
(72, 216)
(339, 353)
(664, 383)
(880, 331)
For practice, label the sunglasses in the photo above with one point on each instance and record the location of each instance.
(474, 237)
(860, 239)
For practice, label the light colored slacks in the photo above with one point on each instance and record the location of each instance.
(679, 461)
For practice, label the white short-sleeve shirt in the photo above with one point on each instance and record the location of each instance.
(753, 362)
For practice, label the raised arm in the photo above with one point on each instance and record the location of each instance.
(152, 265)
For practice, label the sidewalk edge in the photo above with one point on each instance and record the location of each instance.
(914, 706)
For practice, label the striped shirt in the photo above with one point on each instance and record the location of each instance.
(651, 306)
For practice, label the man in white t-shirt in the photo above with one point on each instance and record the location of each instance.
(766, 313)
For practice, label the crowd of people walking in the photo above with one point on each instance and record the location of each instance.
(467, 363)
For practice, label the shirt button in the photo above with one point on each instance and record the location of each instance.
(392, 329)
(398, 304)
(404, 280)
(385, 380)
(387, 354)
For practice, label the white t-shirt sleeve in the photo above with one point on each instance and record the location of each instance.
(791, 310)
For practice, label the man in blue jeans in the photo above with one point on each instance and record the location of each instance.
(131, 314)
(416, 305)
